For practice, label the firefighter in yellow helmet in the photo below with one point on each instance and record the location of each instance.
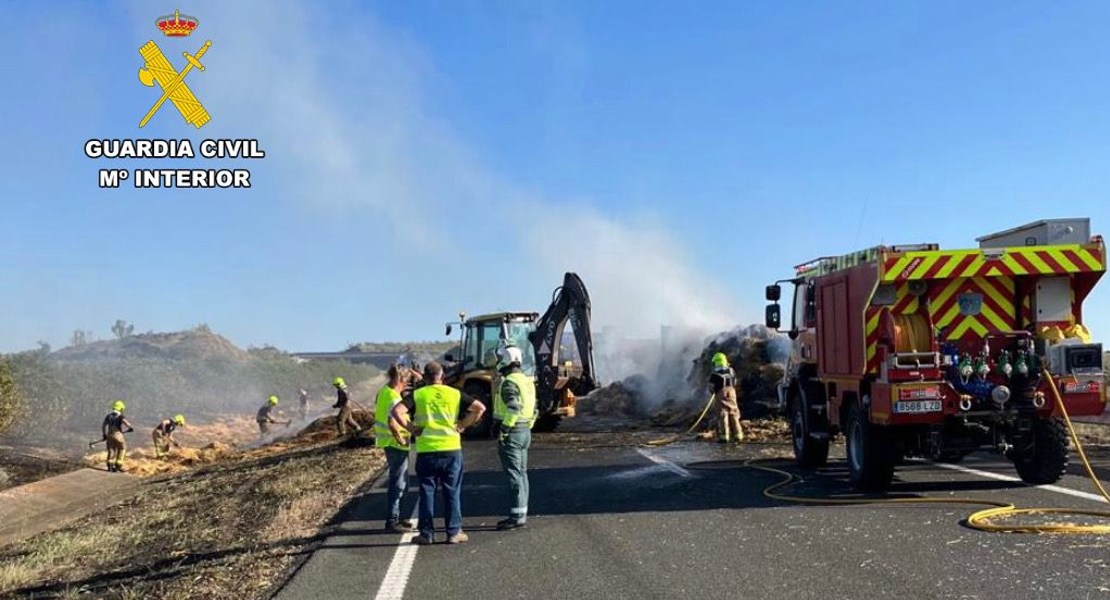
(265, 416)
(514, 413)
(113, 428)
(163, 435)
(346, 417)
(722, 381)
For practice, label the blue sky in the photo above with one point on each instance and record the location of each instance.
(430, 157)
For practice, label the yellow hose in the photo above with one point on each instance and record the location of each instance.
(674, 438)
(981, 520)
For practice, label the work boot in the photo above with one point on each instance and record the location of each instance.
(509, 524)
(400, 526)
(459, 538)
(422, 541)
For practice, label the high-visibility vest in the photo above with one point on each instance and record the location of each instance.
(383, 405)
(527, 387)
(437, 412)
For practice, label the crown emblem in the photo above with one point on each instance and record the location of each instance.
(177, 24)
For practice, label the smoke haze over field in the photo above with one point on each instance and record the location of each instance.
(490, 147)
(380, 155)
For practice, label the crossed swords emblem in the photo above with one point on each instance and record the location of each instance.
(158, 69)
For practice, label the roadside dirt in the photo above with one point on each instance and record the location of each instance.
(228, 530)
(19, 466)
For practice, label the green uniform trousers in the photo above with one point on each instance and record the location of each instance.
(512, 447)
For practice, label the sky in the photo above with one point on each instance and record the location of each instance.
(425, 157)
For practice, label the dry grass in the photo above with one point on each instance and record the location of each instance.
(230, 530)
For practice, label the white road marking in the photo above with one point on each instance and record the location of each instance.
(397, 576)
(1052, 488)
(666, 464)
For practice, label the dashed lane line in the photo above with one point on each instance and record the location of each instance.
(397, 576)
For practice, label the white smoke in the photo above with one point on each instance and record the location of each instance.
(385, 151)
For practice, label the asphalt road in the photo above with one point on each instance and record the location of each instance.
(614, 521)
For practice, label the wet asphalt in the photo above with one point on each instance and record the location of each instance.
(690, 520)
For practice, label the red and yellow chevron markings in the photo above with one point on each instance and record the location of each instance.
(1036, 260)
(996, 312)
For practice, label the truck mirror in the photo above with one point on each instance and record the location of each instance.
(774, 315)
(449, 357)
(774, 292)
(449, 328)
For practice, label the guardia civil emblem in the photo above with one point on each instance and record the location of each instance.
(170, 80)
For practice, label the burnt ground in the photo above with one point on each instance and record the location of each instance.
(22, 466)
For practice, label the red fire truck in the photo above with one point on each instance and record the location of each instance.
(917, 351)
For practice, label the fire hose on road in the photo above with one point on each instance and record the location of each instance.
(983, 520)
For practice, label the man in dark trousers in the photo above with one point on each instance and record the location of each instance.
(432, 415)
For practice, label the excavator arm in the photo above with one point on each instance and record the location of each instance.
(570, 303)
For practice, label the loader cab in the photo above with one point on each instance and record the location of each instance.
(803, 306)
(484, 335)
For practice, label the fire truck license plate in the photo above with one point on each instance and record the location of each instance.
(917, 406)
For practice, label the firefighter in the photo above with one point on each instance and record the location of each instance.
(265, 415)
(435, 410)
(303, 395)
(722, 380)
(396, 450)
(514, 412)
(113, 428)
(163, 435)
(346, 413)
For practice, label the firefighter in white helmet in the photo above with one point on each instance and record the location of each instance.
(514, 413)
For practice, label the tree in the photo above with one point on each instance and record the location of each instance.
(10, 400)
(122, 329)
(80, 338)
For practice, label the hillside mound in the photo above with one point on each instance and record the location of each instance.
(178, 345)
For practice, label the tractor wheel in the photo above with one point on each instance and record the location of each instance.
(546, 423)
(1042, 456)
(808, 452)
(871, 455)
(484, 428)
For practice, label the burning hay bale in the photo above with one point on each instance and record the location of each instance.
(756, 354)
(618, 399)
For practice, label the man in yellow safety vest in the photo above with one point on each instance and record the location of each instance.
(514, 412)
(435, 422)
(396, 449)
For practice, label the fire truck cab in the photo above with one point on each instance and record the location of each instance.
(918, 351)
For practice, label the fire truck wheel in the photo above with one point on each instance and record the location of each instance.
(808, 452)
(1043, 456)
(871, 455)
